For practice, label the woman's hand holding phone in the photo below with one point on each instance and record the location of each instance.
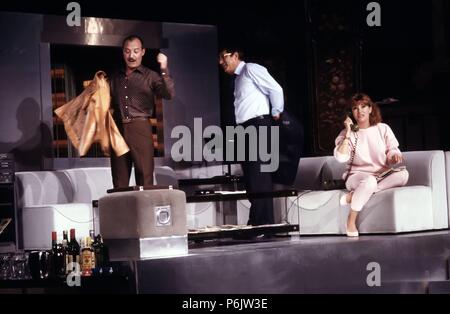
(348, 125)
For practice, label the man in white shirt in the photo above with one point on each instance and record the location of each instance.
(258, 99)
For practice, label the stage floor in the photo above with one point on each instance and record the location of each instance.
(405, 263)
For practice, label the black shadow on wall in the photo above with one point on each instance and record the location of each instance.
(35, 140)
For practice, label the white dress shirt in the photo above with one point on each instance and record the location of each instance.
(254, 90)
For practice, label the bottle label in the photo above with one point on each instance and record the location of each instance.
(86, 263)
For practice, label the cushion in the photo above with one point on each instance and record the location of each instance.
(318, 210)
(43, 187)
(90, 183)
(333, 170)
(402, 209)
(39, 221)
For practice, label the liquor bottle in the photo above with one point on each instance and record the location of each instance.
(91, 248)
(92, 235)
(65, 236)
(94, 260)
(73, 250)
(101, 252)
(87, 257)
(65, 254)
(65, 249)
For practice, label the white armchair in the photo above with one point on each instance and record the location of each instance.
(420, 205)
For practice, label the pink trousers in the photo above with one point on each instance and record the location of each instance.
(364, 185)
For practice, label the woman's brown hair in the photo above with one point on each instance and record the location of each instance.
(375, 115)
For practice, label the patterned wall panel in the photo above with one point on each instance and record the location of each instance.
(334, 68)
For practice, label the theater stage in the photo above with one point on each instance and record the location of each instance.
(406, 263)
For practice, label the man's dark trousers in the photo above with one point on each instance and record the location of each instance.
(138, 136)
(261, 210)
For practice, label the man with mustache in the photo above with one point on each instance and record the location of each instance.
(258, 99)
(133, 90)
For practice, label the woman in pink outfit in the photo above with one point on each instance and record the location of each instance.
(368, 150)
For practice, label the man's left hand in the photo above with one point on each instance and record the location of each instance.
(276, 117)
(162, 60)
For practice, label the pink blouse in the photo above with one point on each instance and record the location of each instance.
(375, 145)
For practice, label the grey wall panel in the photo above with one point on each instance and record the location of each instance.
(20, 108)
(192, 54)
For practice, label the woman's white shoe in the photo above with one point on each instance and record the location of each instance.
(343, 202)
(352, 234)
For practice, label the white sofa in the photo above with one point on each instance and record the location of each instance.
(420, 205)
(58, 200)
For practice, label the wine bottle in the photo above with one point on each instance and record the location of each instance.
(53, 256)
(54, 241)
(73, 250)
(65, 255)
(57, 258)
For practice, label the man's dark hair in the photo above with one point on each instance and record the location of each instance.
(233, 50)
(132, 37)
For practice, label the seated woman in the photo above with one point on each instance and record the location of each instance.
(369, 148)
